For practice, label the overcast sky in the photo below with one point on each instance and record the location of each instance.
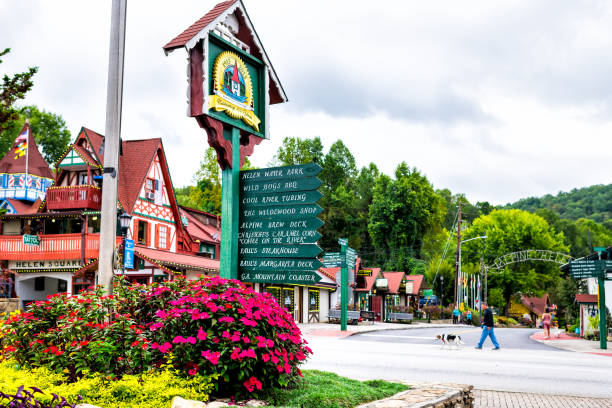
(498, 100)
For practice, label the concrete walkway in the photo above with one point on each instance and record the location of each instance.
(570, 343)
(502, 399)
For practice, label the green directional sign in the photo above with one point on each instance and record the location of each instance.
(279, 186)
(342, 241)
(281, 213)
(249, 200)
(291, 278)
(279, 264)
(277, 225)
(282, 173)
(332, 264)
(32, 240)
(280, 251)
(332, 254)
(599, 249)
(583, 268)
(279, 237)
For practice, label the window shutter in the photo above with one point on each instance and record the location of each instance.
(157, 240)
(168, 238)
(148, 233)
(135, 232)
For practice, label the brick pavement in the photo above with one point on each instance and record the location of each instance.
(502, 399)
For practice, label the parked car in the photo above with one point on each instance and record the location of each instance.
(432, 300)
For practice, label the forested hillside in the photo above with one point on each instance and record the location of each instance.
(594, 203)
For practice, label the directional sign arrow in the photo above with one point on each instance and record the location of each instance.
(249, 200)
(342, 241)
(279, 186)
(280, 251)
(281, 213)
(279, 264)
(280, 277)
(289, 236)
(337, 264)
(274, 225)
(284, 172)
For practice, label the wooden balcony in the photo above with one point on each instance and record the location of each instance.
(74, 198)
(60, 246)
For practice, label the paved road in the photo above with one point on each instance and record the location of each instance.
(508, 338)
(522, 365)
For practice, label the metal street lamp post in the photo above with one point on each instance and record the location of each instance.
(442, 297)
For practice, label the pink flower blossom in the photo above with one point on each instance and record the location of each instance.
(179, 339)
(156, 326)
(191, 340)
(248, 322)
(166, 347)
(212, 356)
(251, 384)
(226, 319)
(248, 353)
(201, 334)
(265, 358)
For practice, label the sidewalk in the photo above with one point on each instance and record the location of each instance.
(333, 330)
(570, 343)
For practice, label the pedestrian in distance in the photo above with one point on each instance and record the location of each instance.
(546, 321)
(487, 328)
(468, 317)
(455, 315)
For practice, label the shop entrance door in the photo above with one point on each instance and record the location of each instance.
(377, 307)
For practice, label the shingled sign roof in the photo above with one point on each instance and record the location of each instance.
(246, 33)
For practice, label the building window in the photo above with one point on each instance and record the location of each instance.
(150, 189)
(143, 232)
(39, 284)
(162, 239)
(208, 250)
(83, 180)
(313, 300)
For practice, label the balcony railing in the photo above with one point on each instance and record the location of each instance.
(60, 246)
(74, 197)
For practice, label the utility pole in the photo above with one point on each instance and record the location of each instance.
(112, 136)
(458, 257)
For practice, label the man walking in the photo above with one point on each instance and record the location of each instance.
(487, 328)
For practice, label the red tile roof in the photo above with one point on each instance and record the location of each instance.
(330, 272)
(395, 280)
(539, 303)
(182, 39)
(416, 286)
(133, 168)
(96, 141)
(584, 298)
(370, 280)
(24, 207)
(37, 165)
(178, 260)
(198, 230)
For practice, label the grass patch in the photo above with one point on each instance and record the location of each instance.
(328, 390)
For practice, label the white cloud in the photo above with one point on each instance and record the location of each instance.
(498, 100)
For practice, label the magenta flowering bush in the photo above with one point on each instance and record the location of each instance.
(210, 326)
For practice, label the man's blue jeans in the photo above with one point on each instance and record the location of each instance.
(487, 332)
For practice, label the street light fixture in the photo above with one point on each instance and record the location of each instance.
(124, 223)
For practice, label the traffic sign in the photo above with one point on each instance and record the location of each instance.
(583, 268)
(279, 186)
(599, 249)
(279, 264)
(332, 264)
(272, 199)
(281, 213)
(128, 254)
(280, 251)
(295, 278)
(283, 172)
(342, 241)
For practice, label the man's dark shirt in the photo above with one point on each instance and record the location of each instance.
(487, 318)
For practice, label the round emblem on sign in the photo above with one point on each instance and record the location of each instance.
(233, 89)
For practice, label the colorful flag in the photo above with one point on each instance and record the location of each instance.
(21, 143)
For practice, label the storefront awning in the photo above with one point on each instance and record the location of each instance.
(172, 259)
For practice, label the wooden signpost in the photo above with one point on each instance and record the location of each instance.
(278, 225)
(231, 83)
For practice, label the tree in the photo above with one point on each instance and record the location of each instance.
(511, 231)
(339, 167)
(298, 151)
(49, 130)
(403, 211)
(12, 89)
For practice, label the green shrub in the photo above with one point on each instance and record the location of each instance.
(207, 326)
(154, 389)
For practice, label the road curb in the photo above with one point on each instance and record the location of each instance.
(428, 395)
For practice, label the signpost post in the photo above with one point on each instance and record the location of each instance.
(278, 225)
(343, 283)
